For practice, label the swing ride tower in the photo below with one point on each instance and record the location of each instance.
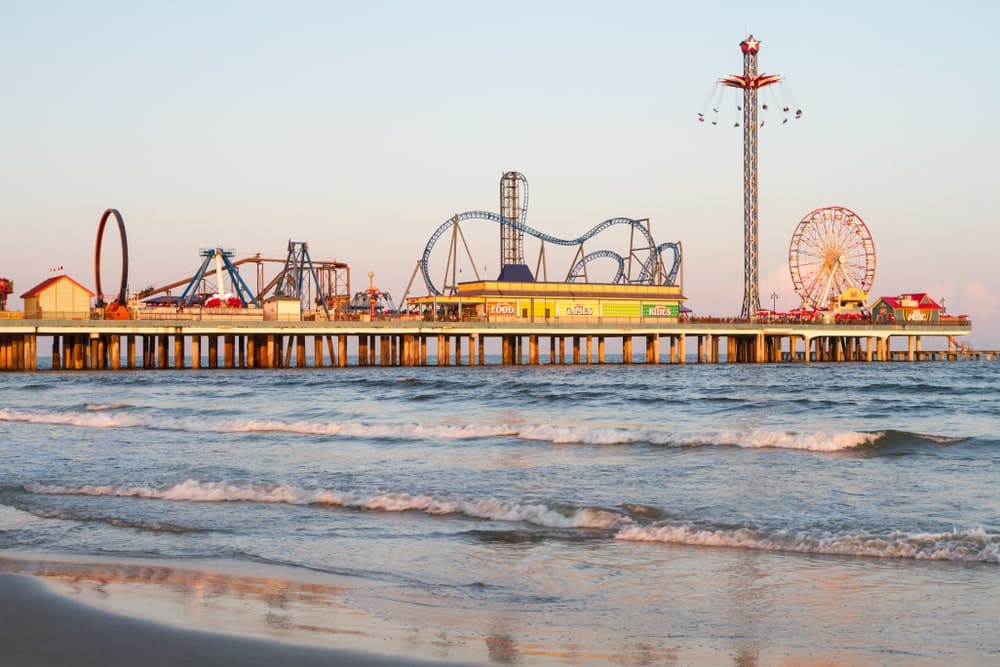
(750, 82)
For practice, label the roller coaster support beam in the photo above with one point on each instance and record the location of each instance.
(292, 279)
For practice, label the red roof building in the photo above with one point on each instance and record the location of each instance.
(58, 298)
(910, 307)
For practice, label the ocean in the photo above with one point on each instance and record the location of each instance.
(633, 515)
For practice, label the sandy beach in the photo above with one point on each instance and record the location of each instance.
(43, 628)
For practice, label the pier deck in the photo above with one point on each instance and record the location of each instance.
(178, 343)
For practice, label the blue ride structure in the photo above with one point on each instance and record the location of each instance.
(643, 250)
(223, 265)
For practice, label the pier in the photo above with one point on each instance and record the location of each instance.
(179, 344)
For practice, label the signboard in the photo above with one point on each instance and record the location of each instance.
(629, 309)
(502, 309)
(583, 308)
(659, 310)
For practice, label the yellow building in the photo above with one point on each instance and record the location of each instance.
(853, 299)
(494, 300)
(58, 298)
(283, 309)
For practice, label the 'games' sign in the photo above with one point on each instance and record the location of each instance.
(577, 308)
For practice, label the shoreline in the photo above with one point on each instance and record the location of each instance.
(74, 611)
(43, 628)
(230, 608)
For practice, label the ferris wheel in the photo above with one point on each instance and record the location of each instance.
(831, 250)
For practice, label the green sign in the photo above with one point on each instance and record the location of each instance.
(659, 310)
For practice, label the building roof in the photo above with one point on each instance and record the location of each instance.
(924, 302)
(48, 282)
(515, 273)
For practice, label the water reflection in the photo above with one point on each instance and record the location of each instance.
(329, 614)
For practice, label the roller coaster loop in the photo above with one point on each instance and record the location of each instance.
(122, 296)
(649, 268)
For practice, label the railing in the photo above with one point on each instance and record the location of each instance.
(198, 313)
(57, 315)
(222, 314)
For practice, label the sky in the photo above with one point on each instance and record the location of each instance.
(360, 127)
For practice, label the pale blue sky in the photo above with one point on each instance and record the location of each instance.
(360, 127)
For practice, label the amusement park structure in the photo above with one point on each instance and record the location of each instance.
(831, 251)
(117, 309)
(6, 288)
(322, 284)
(294, 278)
(750, 82)
(372, 301)
(513, 208)
(223, 266)
(642, 263)
(639, 301)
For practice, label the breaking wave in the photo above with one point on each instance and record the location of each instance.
(969, 545)
(491, 509)
(973, 545)
(100, 416)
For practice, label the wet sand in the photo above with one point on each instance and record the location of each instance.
(299, 616)
(40, 627)
(61, 610)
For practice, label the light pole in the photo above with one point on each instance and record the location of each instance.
(774, 302)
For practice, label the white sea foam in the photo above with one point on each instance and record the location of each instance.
(102, 417)
(12, 518)
(89, 419)
(969, 545)
(816, 442)
(106, 417)
(490, 508)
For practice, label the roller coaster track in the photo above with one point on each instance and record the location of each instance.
(647, 275)
(578, 269)
(123, 287)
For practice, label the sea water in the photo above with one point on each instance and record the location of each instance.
(755, 514)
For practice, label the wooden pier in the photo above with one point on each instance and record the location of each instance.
(178, 344)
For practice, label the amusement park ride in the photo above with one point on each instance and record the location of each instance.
(238, 297)
(831, 252)
(117, 309)
(372, 302)
(6, 288)
(321, 285)
(750, 82)
(642, 263)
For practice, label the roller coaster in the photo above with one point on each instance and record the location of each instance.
(643, 252)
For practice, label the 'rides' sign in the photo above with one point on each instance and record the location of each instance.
(659, 310)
